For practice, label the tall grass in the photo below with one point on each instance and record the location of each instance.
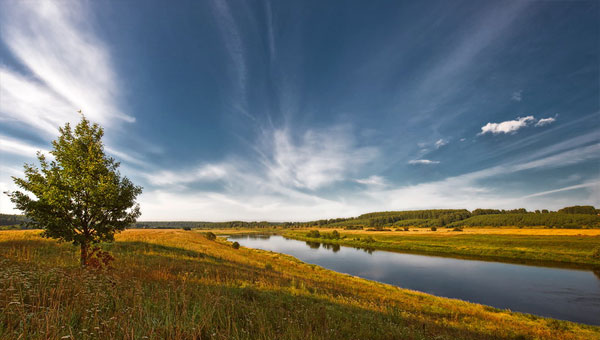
(172, 284)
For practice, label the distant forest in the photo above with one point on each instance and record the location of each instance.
(569, 217)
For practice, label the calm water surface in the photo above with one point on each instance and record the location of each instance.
(566, 294)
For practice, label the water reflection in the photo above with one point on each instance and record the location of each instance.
(313, 245)
(333, 247)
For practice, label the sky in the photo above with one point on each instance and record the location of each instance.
(302, 110)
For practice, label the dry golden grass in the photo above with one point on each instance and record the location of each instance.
(173, 284)
(559, 247)
(473, 231)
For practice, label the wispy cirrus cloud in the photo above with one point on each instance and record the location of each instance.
(235, 48)
(594, 184)
(517, 96)
(206, 172)
(310, 161)
(65, 68)
(440, 142)
(70, 67)
(373, 180)
(423, 161)
(254, 192)
(545, 121)
(19, 147)
(316, 158)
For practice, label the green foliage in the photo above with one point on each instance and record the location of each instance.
(210, 235)
(580, 209)
(235, 245)
(313, 234)
(551, 219)
(16, 220)
(334, 235)
(596, 253)
(204, 225)
(187, 228)
(79, 196)
(433, 229)
(368, 239)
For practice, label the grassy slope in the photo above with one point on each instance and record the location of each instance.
(519, 245)
(172, 284)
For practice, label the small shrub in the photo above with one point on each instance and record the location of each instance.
(406, 229)
(235, 245)
(268, 266)
(368, 239)
(98, 259)
(313, 234)
(596, 253)
(187, 228)
(433, 229)
(210, 235)
(457, 229)
(335, 234)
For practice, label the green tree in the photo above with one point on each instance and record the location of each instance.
(80, 196)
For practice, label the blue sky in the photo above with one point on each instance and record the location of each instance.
(298, 110)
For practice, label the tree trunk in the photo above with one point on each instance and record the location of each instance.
(84, 254)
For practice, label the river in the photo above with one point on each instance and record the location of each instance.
(567, 294)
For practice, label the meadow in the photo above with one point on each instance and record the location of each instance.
(558, 247)
(175, 284)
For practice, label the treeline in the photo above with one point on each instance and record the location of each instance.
(13, 221)
(568, 217)
(550, 219)
(204, 225)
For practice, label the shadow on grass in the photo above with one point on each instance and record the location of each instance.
(275, 312)
(129, 247)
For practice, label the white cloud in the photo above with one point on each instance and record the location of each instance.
(463, 139)
(252, 194)
(66, 68)
(234, 46)
(373, 180)
(565, 158)
(18, 147)
(440, 142)
(545, 121)
(316, 159)
(517, 96)
(422, 161)
(122, 156)
(509, 126)
(72, 68)
(208, 172)
(595, 185)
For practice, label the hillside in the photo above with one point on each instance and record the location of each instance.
(174, 284)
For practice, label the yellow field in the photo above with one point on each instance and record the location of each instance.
(174, 284)
(556, 247)
(473, 231)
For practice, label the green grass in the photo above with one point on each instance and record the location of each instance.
(174, 284)
(567, 250)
